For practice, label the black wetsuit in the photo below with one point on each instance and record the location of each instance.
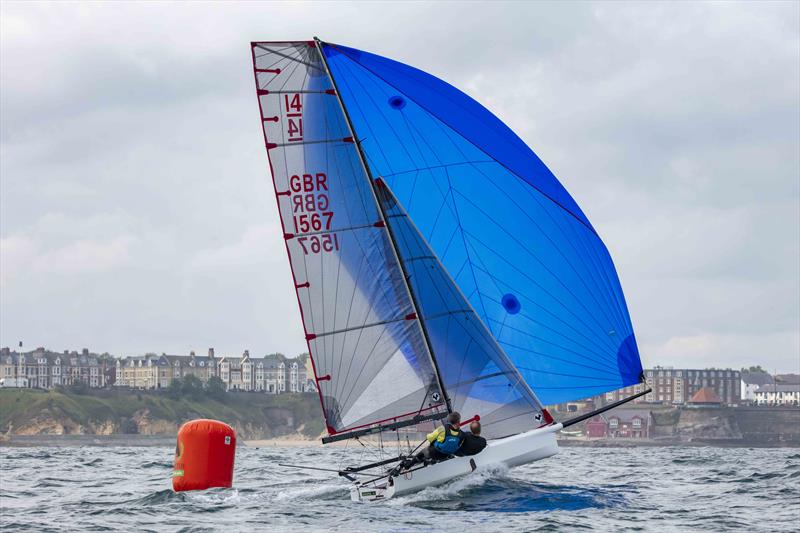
(471, 445)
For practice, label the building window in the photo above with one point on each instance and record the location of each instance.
(637, 423)
(613, 423)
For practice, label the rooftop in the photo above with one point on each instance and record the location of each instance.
(757, 378)
(780, 387)
(705, 395)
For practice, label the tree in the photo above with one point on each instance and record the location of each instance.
(215, 388)
(192, 387)
(175, 388)
(755, 370)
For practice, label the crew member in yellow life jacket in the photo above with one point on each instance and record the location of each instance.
(444, 442)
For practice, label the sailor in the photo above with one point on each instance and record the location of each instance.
(473, 442)
(444, 442)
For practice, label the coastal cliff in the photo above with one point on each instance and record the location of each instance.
(25, 412)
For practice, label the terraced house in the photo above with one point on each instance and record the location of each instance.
(44, 369)
(272, 374)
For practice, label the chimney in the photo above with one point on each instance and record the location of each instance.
(191, 353)
(211, 353)
(85, 351)
(246, 353)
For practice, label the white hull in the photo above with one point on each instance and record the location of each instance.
(509, 452)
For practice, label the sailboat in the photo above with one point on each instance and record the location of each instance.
(439, 265)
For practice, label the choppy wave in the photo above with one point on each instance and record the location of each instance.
(677, 489)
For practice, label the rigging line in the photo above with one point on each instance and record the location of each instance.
(436, 167)
(389, 233)
(460, 270)
(268, 51)
(290, 75)
(333, 230)
(533, 301)
(545, 234)
(306, 143)
(284, 90)
(601, 381)
(365, 326)
(523, 248)
(306, 63)
(347, 55)
(525, 275)
(606, 359)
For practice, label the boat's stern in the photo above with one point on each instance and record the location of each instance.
(371, 493)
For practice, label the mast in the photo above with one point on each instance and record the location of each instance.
(389, 231)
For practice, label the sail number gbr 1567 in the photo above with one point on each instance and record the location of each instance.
(311, 212)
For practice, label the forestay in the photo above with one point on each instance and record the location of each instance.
(370, 359)
(514, 241)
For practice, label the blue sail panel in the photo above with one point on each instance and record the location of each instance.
(478, 377)
(515, 242)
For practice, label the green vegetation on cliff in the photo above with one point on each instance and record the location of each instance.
(254, 415)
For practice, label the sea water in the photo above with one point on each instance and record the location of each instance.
(594, 489)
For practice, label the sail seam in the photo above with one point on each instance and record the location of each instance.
(354, 328)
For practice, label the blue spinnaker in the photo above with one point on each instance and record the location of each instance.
(515, 242)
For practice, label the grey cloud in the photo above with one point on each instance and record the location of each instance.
(129, 134)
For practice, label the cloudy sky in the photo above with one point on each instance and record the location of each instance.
(136, 211)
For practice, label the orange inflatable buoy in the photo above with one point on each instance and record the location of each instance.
(204, 455)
